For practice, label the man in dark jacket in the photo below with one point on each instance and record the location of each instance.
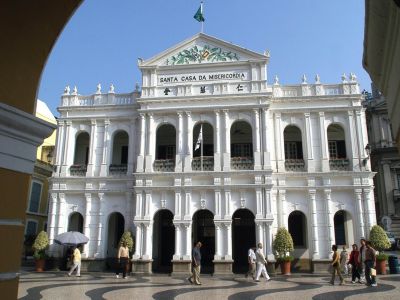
(196, 261)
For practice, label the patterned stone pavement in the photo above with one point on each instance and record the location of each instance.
(56, 285)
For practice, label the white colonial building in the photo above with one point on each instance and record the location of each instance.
(268, 156)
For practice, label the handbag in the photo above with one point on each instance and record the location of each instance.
(373, 272)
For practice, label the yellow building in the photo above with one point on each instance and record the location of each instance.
(37, 202)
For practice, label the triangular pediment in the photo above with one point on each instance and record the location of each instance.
(203, 49)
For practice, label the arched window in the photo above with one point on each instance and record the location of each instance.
(294, 160)
(165, 148)
(203, 147)
(298, 229)
(120, 153)
(81, 157)
(75, 222)
(337, 148)
(339, 223)
(241, 146)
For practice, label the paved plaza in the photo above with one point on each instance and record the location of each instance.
(56, 285)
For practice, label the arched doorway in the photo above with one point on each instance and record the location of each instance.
(116, 223)
(75, 222)
(204, 231)
(163, 241)
(243, 238)
(343, 227)
(298, 229)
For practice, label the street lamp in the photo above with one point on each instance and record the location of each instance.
(368, 150)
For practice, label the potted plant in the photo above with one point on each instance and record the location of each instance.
(39, 246)
(380, 242)
(283, 245)
(127, 237)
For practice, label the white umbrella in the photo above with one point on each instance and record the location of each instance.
(71, 238)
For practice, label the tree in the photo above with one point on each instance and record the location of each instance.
(127, 237)
(283, 244)
(40, 245)
(379, 241)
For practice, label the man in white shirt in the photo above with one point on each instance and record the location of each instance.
(251, 258)
(261, 262)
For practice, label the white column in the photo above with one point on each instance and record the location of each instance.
(352, 139)
(282, 209)
(218, 210)
(92, 150)
(128, 210)
(268, 242)
(149, 243)
(178, 239)
(218, 241)
(267, 155)
(61, 214)
(260, 235)
(259, 214)
(324, 143)
(360, 213)
(217, 138)
(188, 198)
(279, 145)
(228, 255)
(257, 135)
(131, 147)
(369, 210)
(227, 204)
(138, 241)
(139, 205)
(52, 217)
(188, 250)
(314, 224)
(100, 231)
(178, 205)
(189, 143)
(59, 145)
(227, 149)
(180, 142)
(147, 206)
(86, 228)
(329, 219)
(65, 161)
(106, 138)
(140, 159)
(268, 203)
(309, 143)
(150, 153)
(360, 135)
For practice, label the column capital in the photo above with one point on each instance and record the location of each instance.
(188, 113)
(68, 123)
(312, 193)
(277, 115)
(151, 115)
(226, 111)
(93, 122)
(321, 114)
(255, 110)
(350, 113)
(54, 196)
(216, 111)
(358, 192)
(179, 113)
(101, 196)
(60, 122)
(142, 115)
(307, 114)
(106, 122)
(88, 196)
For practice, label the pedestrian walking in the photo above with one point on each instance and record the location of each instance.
(370, 256)
(343, 261)
(355, 264)
(363, 248)
(122, 260)
(336, 266)
(196, 262)
(251, 259)
(261, 263)
(76, 262)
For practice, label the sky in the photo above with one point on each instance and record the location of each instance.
(104, 38)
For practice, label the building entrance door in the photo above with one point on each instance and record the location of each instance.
(163, 241)
(204, 232)
(243, 237)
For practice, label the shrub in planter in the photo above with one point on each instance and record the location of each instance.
(283, 245)
(39, 246)
(380, 242)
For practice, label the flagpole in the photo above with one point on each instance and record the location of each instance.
(202, 22)
(201, 149)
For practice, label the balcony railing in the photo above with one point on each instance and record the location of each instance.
(164, 165)
(242, 163)
(208, 163)
(295, 165)
(396, 193)
(339, 164)
(115, 169)
(78, 170)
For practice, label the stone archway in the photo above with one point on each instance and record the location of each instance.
(163, 241)
(116, 224)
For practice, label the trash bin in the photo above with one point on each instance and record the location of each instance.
(394, 266)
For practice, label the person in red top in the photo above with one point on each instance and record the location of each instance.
(355, 264)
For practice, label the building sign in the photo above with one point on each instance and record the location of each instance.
(185, 78)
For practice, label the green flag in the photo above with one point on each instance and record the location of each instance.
(199, 14)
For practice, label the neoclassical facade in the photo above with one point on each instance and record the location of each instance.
(209, 150)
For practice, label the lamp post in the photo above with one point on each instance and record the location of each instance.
(368, 151)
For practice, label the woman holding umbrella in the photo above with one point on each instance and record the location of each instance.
(76, 263)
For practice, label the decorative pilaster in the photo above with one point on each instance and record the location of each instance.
(148, 254)
(227, 149)
(59, 145)
(266, 136)
(353, 142)
(92, 149)
(99, 252)
(140, 159)
(61, 214)
(188, 248)
(259, 206)
(179, 155)
(217, 152)
(147, 206)
(279, 146)
(227, 205)
(105, 159)
(314, 214)
(218, 241)
(65, 161)
(369, 210)
(138, 241)
(228, 255)
(128, 210)
(178, 240)
(178, 205)
(218, 209)
(309, 141)
(131, 147)
(360, 213)
(150, 144)
(188, 199)
(189, 143)
(52, 217)
(324, 143)
(257, 134)
(86, 227)
(330, 232)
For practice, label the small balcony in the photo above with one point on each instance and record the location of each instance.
(115, 169)
(78, 170)
(396, 194)
(339, 164)
(242, 163)
(164, 165)
(206, 161)
(295, 165)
